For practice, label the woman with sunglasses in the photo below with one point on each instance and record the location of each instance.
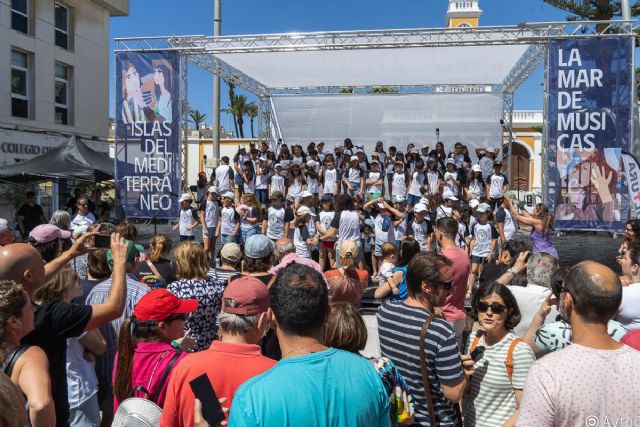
(502, 360)
(150, 345)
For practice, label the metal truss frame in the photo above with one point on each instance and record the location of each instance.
(184, 116)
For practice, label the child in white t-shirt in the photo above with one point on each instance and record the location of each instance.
(389, 258)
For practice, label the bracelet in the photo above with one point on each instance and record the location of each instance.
(175, 344)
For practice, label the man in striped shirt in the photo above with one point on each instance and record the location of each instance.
(429, 281)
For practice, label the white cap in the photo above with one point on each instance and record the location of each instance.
(424, 146)
(229, 195)
(354, 158)
(448, 195)
(311, 163)
(305, 193)
(278, 165)
(263, 159)
(339, 145)
(304, 210)
(476, 168)
(420, 207)
(326, 151)
(4, 225)
(474, 203)
(185, 197)
(241, 147)
(450, 161)
(212, 189)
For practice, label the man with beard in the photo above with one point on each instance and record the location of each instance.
(593, 381)
(429, 280)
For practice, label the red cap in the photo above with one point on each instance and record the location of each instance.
(159, 304)
(246, 296)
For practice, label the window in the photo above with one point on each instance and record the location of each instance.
(19, 84)
(62, 94)
(20, 15)
(62, 26)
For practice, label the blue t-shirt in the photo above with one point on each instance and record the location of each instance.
(329, 388)
(403, 292)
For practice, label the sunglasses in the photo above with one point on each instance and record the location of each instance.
(495, 307)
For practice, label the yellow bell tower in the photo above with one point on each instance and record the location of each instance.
(463, 13)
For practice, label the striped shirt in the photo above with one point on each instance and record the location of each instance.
(491, 399)
(399, 327)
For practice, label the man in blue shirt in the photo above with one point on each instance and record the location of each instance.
(312, 385)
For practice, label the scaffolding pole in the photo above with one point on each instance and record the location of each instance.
(184, 114)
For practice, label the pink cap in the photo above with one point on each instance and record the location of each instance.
(46, 233)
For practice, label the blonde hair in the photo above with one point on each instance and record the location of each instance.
(545, 216)
(161, 244)
(190, 261)
(57, 288)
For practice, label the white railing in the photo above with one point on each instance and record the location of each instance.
(528, 116)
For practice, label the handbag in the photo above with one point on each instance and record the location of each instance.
(424, 368)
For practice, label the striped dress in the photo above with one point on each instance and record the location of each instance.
(491, 399)
(399, 328)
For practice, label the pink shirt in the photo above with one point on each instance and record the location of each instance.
(582, 386)
(453, 308)
(150, 361)
(293, 258)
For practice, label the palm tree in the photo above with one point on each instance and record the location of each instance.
(594, 10)
(238, 109)
(252, 112)
(197, 118)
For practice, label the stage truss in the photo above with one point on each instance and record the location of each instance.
(204, 51)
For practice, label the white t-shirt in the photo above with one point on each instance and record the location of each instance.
(451, 185)
(629, 314)
(582, 386)
(420, 232)
(386, 271)
(312, 184)
(348, 225)
(391, 168)
(353, 175)
(492, 400)
(443, 211)
(416, 184)
(82, 222)
(486, 165)
(529, 299)
(277, 184)
(229, 219)
(276, 222)
(262, 181)
(401, 229)
(330, 177)
(384, 236)
(374, 188)
(82, 382)
(496, 185)
(295, 187)
(187, 217)
(222, 178)
(325, 220)
(483, 234)
(432, 178)
(300, 236)
(211, 213)
(506, 217)
(399, 184)
(476, 187)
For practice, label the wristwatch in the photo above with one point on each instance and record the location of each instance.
(512, 271)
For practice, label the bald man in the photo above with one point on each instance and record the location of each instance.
(57, 321)
(286, 253)
(596, 378)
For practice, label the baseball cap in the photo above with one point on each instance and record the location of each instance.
(448, 195)
(326, 151)
(241, 147)
(46, 233)
(229, 195)
(374, 161)
(311, 163)
(231, 251)
(450, 161)
(484, 207)
(278, 165)
(474, 203)
(133, 252)
(159, 304)
(246, 296)
(399, 162)
(258, 246)
(354, 158)
(212, 189)
(306, 193)
(420, 208)
(304, 210)
(369, 222)
(398, 199)
(276, 195)
(476, 168)
(497, 163)
(262, 159)
(185, 197)
(327, 198)
(339, 145)
(4, 225)
(348, 248)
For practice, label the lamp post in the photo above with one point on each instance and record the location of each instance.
(217, 24)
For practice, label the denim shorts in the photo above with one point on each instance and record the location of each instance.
(262, 196)
(355, 189)
(413, 200)
(183, 238)
(377, 250)
(210, 230)
(238, 180)
(228, 238)
(478, 259)
(245, 234)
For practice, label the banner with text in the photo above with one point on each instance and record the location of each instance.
(632, 173)
(589, 126)
(148, 134)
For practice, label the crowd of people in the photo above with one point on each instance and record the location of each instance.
(476, 325)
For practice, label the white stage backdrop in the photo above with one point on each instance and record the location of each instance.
(396, 120)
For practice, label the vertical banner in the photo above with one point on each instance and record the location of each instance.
(589, 123)
(148, 134)
(632, 173)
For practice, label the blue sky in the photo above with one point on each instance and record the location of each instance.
(169, 17)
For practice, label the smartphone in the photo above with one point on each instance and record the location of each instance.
(477, 353)
(102, 241)
(203, 391)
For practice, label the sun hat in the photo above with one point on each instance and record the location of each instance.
(46, 233)
(348, 248)
(246, 296)
(159, 304)
(258, 246)
(137, 412)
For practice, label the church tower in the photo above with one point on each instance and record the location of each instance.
(463, 13)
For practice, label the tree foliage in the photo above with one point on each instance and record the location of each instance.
(593, 10)
(197, 118)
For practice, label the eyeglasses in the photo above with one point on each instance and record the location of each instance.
(629, 229)
(495, 307)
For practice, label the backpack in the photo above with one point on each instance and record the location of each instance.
(509, 361)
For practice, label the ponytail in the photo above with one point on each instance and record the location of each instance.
(347, 261)
(160, 244)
